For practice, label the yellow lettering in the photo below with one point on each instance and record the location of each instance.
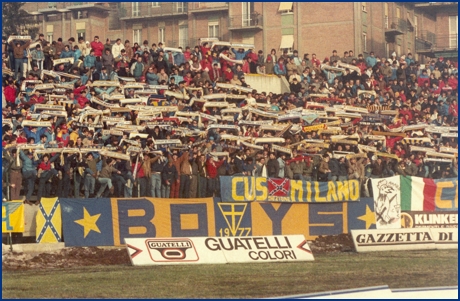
(342, 190)
(296, 186)
(354, 189)
(317, 197)
(137, 230)
(262, 189)
(444, 204)
(249, 189)
(235, 196)
(331, 191)
(308, 191)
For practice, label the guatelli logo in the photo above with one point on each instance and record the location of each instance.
(162, 250)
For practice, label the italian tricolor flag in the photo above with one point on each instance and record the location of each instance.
(417, 194)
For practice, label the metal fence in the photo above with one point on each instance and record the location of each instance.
(427, 40)
(152, 9)
(246, 20)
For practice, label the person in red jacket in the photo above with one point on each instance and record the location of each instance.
(204, 49)
(82, 101)
(10, 94)
(453, 110)
(228, 74)
(36, 98)
(316, 62)
(78, 91)
(45, 173)
(453, 82)
(63, 137)
(215, 74)
(211, 170)
(141, 179)
(98, 48)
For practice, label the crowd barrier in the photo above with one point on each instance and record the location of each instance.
(108, 221)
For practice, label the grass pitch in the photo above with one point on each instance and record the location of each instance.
(334, 271)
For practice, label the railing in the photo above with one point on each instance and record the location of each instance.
(427, 41)
(148, 9)
(247, 20)
(397, 24)
(197, 6)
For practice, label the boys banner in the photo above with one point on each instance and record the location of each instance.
(107, 222)
(12, 217)
(261, 189)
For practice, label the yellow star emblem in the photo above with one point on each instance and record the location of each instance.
(369, 217)
(88, 222)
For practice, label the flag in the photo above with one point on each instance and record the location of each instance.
(48, 221)
(87, 222)
(387, 202)
(417, 194)
(278, 187)
(12, 217)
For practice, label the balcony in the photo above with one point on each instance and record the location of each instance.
(143, 10)
(395, 26)
(87, 5)
(246, 22)
(205, 7)
(434, 7)
(428, 43)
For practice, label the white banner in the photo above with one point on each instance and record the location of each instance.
(218, 250)
(405, 239)
(387, 202)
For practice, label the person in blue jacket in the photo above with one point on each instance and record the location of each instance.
(29, 173)
(34, 132)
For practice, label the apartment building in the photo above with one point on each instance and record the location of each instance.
(425, 29)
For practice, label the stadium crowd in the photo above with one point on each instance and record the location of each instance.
(92, 119)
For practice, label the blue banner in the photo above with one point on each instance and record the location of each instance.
(242, 188)
(87, 222)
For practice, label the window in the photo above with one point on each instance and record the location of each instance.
(180, 7)
(363, 6)
(398, 50)
(387, 49)
(287, 43)
(415, 26)
(52, 4)
(135, 6)
(183, 35)
(248, 8)
(81, 34)
(137, 36)
(49, 37)
(81, 14)
(398, 12)
(364, 42)
(155, 4)
(213, 29)
(453, 31)
(161, 34)
(285, 7)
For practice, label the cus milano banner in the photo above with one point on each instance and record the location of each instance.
(260, 189)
